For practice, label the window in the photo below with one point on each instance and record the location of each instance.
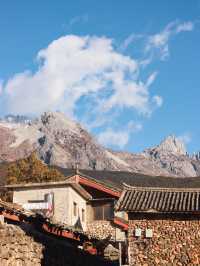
(98, 213)
(104, 211)
(108, 211)
(75, 208)
(83, 215)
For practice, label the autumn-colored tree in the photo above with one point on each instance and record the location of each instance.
(31, 170)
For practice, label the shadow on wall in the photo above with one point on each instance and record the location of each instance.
(63, 253)
(62, 256)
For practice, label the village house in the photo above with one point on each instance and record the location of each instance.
(82, 200)
(156, 219)
(164, 221)
(63, 202)
(26, 239)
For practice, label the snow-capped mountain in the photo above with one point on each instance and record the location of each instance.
(57, 140)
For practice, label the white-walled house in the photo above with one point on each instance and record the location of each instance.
(64, 202)
(79, 201)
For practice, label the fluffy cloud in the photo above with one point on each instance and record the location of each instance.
(118, 138)
(89, 79)
(74, 67)
(159, 42)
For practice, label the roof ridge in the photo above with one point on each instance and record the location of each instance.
(99, 181)
(36, 184)
(170, 189)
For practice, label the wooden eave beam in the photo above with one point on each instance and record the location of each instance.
(98, 186)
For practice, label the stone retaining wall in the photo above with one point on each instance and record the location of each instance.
(175, 241)
(18, 249)
(26, 246)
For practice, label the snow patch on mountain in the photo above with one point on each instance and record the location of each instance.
(58, 140)
(116, 159)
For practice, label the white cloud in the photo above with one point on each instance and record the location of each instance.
(186, 26)
(87, 73)
(129, 40)
(86, 77)
(111, 138)
(1, 87)
(158, 100)
(118, 138)
(73, 67)
(160, 41)
(151, 78)
(185, 138)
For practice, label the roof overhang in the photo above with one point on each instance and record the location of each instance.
(121, 223)
(75, 178)
(158, 200)
(67, 183)
(82, 180)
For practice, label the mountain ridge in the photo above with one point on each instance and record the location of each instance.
(57, 140)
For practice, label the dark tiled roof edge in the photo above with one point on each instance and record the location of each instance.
(137, 199)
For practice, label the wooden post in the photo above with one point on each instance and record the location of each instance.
(120, 254)
(1, 219)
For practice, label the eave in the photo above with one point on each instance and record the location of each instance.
(96, 185)
(121, 223)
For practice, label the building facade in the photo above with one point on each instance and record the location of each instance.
(79, 201)
(63, 202)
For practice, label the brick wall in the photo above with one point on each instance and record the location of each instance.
(175, 241)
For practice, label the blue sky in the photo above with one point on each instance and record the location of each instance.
(127, 70)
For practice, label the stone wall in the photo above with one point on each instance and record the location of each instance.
(22, 245)
(175, 241)
(101, 229)
(16, 248)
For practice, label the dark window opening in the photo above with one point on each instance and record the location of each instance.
(83, 215)
(75, 208)
(104, 212)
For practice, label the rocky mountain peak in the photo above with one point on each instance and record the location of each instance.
(58, 140)
(58, 121)
(16, 119)
(172, 144)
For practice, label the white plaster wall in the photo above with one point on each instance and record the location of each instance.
(81, 204)
(63, 202)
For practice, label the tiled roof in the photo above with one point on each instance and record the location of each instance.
(15, 213)
(151, 199)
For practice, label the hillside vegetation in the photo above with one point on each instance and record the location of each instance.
(31, 170)
(28, 170)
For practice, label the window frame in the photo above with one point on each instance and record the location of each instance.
(99, 212)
